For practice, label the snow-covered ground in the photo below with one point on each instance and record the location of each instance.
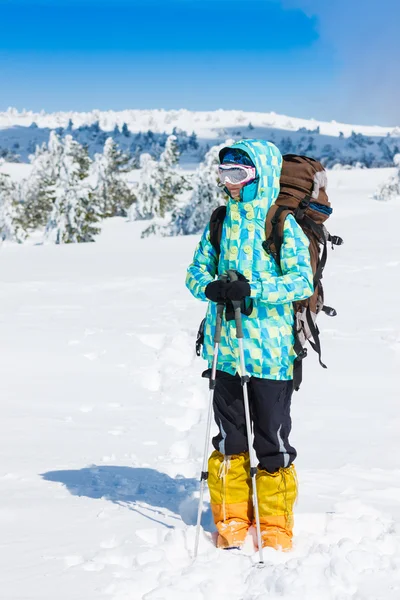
(103, 418)
(17, 171)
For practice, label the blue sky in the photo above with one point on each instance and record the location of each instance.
(335, 61)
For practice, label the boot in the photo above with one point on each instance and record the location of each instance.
(277, 494)
(230, 490)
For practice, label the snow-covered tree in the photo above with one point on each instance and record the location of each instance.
(10, 227)
(148, 191)
(206, 195)
(390, 189)
(170, 157)
(38, 191)
(75, 213)
(172, 183)
(160, 184)
(112, 192)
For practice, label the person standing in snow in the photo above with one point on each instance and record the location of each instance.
(268, 347)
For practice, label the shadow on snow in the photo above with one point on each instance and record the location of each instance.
(145, 491)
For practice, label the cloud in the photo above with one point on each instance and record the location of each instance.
(364, 37)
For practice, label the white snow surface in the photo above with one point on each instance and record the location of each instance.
(207, 124)
(17, 171)
(103, 420)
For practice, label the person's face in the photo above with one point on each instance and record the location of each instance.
(234, 189)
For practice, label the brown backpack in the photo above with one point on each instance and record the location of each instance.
(302, 194)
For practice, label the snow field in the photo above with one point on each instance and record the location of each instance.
(103, 422)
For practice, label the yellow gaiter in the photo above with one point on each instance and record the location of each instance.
(277, 494)
(230, 490)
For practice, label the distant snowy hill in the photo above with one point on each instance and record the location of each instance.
(146, 131)
(207, 124)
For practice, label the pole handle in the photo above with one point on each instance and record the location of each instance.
(220, 312)
(218, 322)
(236, 307)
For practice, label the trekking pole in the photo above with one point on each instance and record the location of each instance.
(245, 379)
(213, 377)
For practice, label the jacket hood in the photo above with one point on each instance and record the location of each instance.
(267, 159)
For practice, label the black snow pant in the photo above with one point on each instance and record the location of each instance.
(270, 414)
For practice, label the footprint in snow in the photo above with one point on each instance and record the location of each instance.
(73, 561)
(180, 351)
(149, 556)
(153, 536)
(152, 340)
(180, 450)
(195, 398)
(148, 377)
(185, 422)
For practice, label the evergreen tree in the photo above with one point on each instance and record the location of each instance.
(286, 145)
(171, 183)
(306, 146)
(193, 143)
(205, 196)
(391, 189)
(160, 185)
(148, 191)
(38, 191)
(125, 130)
(112, 192)
(75, 214)
(10, 226)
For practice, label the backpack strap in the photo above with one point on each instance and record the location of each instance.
(274, 224)
(297, 374)
(316, 345)
(216, 223)
(321, 234)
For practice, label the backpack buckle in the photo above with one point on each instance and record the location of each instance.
(302, 207)
(274, 221)
(305, 203)
(200, 338)
(335, 240)
(302, 354)
(329, 311)
(267, 247)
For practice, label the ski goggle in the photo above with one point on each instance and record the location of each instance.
(236, 174)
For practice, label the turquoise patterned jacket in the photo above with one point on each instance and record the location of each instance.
(268, 331)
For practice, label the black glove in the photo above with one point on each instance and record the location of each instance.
(237, 290)
(216, 291)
